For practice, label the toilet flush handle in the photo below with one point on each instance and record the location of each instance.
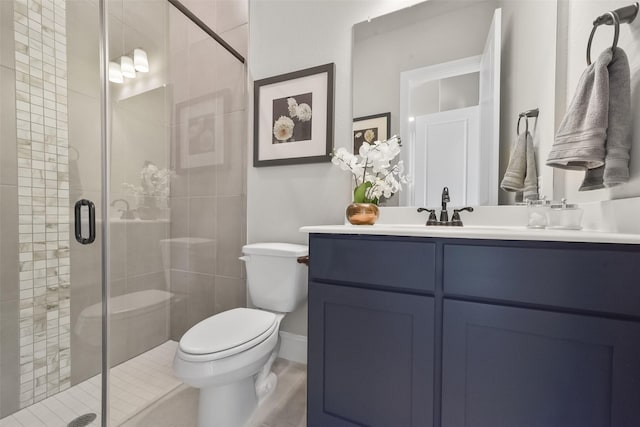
(304, 260)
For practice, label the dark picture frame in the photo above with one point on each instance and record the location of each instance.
(379, 126)
(200, 131)
(293, 117)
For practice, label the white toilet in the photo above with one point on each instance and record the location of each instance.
(229, 356)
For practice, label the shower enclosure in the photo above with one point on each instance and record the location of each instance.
(134, 109)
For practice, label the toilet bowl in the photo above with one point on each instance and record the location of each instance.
(229, 356)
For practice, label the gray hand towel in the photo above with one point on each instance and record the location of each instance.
(615, 170)
(580, 140)
(521, 174)
(603, 98)
(618, 146)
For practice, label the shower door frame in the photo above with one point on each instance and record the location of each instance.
(105, 228)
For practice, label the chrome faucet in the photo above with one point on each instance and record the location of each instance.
(126, 212)
(456, 221)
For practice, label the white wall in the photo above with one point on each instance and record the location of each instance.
(581, 15)
(286, 36)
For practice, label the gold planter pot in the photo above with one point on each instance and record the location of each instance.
(362, 213)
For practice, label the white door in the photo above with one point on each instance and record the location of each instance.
(448, 145)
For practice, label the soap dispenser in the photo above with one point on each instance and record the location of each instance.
(537, 213)
(564, 216)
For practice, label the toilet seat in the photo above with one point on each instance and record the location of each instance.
(227, 333)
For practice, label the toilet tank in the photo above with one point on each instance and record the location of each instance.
(275, 279)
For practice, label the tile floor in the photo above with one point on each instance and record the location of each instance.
(135, 385)
(145, 393)
(286, 407)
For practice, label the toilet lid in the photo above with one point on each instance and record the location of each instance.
(227, 330)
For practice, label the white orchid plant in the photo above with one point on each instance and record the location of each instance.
(374, 174)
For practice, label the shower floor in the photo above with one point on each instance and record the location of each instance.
(135, 385)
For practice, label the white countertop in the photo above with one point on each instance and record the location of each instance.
(478, 232)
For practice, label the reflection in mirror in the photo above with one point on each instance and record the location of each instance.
(454, 76)
(141, 142)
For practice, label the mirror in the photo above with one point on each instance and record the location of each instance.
(454, 75)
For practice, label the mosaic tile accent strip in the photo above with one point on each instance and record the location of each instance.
(43, 197)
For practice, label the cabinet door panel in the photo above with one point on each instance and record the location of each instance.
(370, 358)
(505, 366)
(401, 263)
(582, 276)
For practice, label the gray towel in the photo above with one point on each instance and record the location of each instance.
(521, 174)
(579, 142)
(595, 132)
(618, 144)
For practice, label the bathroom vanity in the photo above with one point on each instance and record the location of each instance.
(453, 328)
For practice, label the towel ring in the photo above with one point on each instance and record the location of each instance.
(526, 125)
(526, 114)
(616, 22)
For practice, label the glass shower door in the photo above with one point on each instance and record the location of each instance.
(175, 120)
(50, 284)
(178, 153)
(140, 173)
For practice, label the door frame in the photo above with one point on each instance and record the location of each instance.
(408, 81)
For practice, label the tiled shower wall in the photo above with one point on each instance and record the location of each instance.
(43, 197)
(208, 203)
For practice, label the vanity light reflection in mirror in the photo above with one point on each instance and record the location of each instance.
(454, 76)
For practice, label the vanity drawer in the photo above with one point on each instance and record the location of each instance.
(577, 276)
(399, 263)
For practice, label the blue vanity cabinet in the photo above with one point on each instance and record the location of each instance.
(371, 334)
(475, 333)
(509, 366)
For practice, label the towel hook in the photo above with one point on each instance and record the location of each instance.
(615, 19)
(526, 114)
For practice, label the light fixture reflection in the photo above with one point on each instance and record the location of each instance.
(115, 75)
(126, 66)
(140, 61)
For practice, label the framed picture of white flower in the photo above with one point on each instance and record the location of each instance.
(293, 117)
(376, 127)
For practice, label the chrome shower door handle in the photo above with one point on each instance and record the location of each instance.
(91, 209)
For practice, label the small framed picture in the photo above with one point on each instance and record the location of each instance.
(200, 131)
(293, 117)
(371, 128)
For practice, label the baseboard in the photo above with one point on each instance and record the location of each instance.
(293, 347)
